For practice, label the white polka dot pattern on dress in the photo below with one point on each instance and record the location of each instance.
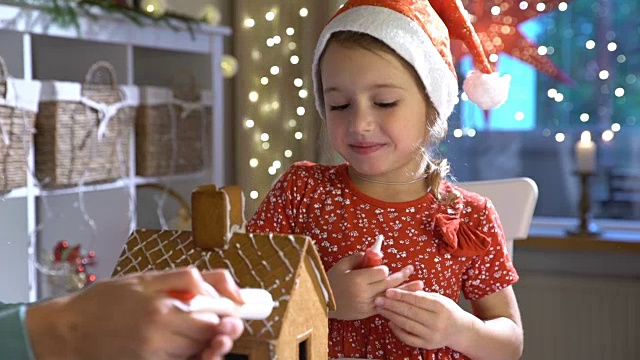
(455, 249)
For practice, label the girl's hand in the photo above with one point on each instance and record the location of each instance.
(355, 290)
(423, 320)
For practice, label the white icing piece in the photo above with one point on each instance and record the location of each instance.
(280, 253)
(249, 266)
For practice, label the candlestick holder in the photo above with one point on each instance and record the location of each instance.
(586, 227)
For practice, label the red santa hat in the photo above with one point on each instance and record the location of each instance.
(420, 31)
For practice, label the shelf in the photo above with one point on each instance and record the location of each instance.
(113, 29)
(18, 193)
(169, 179)
(22, 192)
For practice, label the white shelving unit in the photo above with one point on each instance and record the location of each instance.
(32, 219)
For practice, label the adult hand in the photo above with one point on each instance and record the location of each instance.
(355, 290)
(230, 328)
(423, 320)
(131, 318)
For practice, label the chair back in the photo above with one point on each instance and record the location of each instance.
(515, 201)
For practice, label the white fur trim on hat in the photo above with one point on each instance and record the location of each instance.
(407, 39)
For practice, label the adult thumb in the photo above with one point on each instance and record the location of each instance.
(350, 262)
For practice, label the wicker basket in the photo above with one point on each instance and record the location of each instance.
(170, 132)
(18, 108)
(83, 130)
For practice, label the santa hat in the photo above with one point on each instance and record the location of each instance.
(419, 31)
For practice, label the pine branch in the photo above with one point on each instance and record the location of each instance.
(65, 13)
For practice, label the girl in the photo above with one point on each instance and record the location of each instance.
(385, 91)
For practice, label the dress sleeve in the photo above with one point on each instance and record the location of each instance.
(492, 270)
(278, 211)
(14, 341)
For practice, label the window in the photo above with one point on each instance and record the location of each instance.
(535, 132)
(303, 348)
(236, 357)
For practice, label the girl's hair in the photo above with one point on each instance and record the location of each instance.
(434, 170)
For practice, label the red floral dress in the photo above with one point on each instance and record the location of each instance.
(455, 249)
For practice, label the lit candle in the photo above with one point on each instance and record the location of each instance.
(586, 153)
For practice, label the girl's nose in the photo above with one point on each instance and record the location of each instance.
(361, 120)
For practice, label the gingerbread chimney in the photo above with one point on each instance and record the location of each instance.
(217, 214)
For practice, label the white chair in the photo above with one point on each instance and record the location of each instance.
(514, 199)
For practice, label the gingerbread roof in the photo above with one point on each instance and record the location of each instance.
(267, 261)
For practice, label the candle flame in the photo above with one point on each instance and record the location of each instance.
(585, 137)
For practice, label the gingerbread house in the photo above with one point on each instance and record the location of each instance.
(288, 266)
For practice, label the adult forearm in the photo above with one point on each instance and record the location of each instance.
(496, 339)
(48, 330)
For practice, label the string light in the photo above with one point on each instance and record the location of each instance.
(249, 23)
(607, 135)
(615, 127)
(560, 137)
(584, 117)
(471, 132)
(519, 116)
(590, 44)
(272, 148)
(155, 8)
(211, 15)
(270, 16)
(458, 133)
(229, 66)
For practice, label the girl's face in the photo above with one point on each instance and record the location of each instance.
(376, 112)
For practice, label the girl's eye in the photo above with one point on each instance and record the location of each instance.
(338, 107)
(387, 105)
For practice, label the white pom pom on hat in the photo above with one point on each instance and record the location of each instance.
(488, 91)
(420, 32)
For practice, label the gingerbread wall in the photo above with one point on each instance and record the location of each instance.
(307, 317)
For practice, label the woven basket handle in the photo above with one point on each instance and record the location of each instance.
(3, 70)
(102, 73)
